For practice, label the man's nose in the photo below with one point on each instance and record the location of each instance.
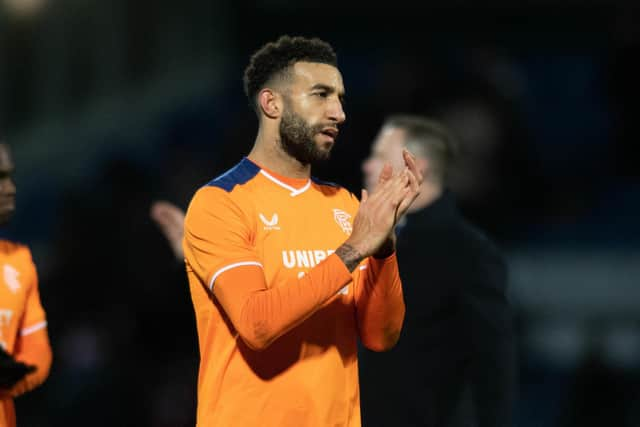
(336, 112)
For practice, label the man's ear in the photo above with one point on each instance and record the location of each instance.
(270, 103)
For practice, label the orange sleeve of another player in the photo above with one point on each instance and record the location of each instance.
(218, 246)
(380, 303)
(32, 346)
(33, 349)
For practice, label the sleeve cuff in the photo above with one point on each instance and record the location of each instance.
(341, 269)
(382, 261)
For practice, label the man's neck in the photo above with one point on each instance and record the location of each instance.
(429, 192)
(268, 153)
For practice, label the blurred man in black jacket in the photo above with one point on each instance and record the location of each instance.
(455, 362)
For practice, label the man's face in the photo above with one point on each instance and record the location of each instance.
(7, 187)
(312, 112)
(386, 148)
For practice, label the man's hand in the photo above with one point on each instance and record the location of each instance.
(12, 371)
(415, 181)
(376, 218)
(170, 219)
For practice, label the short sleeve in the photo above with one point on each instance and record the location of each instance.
(218, 235)
(34, 317)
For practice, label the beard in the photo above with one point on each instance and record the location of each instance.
(296, 139)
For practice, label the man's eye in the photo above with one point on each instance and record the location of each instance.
(321, 94)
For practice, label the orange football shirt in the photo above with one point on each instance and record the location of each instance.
(293, 369)
(21, 313)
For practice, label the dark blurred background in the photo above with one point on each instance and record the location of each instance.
(110, 105)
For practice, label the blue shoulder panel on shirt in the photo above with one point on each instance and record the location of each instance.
(237, 175)
(321, 182)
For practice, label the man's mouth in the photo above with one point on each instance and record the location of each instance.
(330, 132)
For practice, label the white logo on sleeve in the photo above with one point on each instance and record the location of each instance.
(11, 278)
(270, 224)
(342, 218)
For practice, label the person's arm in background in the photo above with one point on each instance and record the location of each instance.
(379, 299)
(170, 219)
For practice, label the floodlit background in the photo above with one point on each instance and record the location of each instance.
(109, 105)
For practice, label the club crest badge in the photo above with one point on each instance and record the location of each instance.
(342, 219)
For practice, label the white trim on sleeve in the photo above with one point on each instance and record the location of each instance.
(33, 328)
(229, 267)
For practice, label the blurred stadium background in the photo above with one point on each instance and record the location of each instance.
(110, 105)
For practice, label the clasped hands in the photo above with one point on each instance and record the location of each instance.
(379, 212)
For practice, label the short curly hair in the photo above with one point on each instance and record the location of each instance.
(274, 60)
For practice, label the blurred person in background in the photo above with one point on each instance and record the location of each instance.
(496, 176)
(25, 352)
(286, 271)
(454, 364)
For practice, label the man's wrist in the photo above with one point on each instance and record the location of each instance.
(387, 249)
(349, 255)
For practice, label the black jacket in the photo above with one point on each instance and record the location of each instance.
(454, 364)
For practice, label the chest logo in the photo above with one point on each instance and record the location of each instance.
(11, 278)
(342, 218)
(270, 224)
